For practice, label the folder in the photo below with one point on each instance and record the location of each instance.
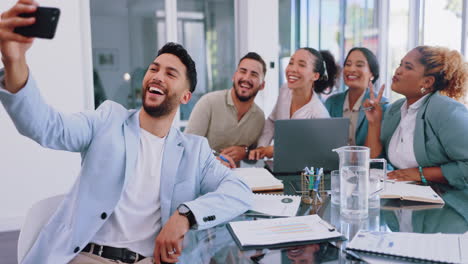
(282, 232)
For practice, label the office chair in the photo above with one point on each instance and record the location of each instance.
(36, 218)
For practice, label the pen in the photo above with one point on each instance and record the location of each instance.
(217, 154)
(223, 158)
(371, 107)
(328, 226)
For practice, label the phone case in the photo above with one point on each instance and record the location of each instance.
(45, 26)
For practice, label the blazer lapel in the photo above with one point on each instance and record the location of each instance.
(132, 139)
(172, 155)
(391, 122)
(362, 115)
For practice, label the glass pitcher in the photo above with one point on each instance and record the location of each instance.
(356, 187)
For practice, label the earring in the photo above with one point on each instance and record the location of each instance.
(423, 90)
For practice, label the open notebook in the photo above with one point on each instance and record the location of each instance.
(443, 248)
(410, 192)
(259, 179)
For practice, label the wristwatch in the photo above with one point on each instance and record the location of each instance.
(185, 211)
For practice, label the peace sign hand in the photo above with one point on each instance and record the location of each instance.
(374, 113)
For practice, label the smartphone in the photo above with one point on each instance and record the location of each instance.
(45, 26)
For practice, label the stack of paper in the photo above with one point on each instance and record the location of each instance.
(411, 192)
(259, 179)
(276, 205)
(281, 232)
(451, 248)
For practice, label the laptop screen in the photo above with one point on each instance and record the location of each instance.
(308, 142)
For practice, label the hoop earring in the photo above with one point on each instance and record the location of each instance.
(423, 90)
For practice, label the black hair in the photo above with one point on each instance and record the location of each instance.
(255, 56)
(371, 61)
(327, 80)
(180, 52)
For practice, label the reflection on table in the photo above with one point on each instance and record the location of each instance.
(216, 245)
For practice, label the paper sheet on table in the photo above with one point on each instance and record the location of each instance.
(276, 205)
(432, 247)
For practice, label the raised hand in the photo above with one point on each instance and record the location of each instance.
(14, 46)
(375, 113)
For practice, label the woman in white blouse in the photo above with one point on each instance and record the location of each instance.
(309, 72)
(424, 134)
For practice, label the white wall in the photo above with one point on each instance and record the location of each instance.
(257, 30)
(63, 69)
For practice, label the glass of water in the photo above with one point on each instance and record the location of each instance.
(335, 186)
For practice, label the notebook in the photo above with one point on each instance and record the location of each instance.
(308, 142)
(444, 248)
(282, 232)
(259, 179)
(274, 205)
(410, 192)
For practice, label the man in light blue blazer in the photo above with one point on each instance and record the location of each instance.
(123, 206)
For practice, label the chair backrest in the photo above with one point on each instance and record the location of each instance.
(36, 218)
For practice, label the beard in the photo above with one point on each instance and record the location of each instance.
(165, 108)
(244, 98)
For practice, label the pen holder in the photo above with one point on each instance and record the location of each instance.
(313, 189)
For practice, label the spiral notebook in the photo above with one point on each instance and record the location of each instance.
(439, 248)
(275, 205)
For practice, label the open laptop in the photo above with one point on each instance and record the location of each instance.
(308, 142)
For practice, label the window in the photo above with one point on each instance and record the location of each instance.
(126, 35)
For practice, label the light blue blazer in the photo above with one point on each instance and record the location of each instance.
(334, 105)
(439, 137)
(108, 140)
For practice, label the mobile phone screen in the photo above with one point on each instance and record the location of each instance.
(45, 26)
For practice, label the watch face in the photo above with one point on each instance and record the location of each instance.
(183, 209)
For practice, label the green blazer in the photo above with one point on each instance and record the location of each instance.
(334, 105)
(439, 138)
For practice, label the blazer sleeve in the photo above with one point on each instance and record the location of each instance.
(451, 128)
(223, 194)
(37, 120)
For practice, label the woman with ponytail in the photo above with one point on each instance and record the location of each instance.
(424, 134)
(308, 73)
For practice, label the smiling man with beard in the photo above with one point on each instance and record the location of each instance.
(142, 185)
(230, 119)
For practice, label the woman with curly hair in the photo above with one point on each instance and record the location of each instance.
(424, 134)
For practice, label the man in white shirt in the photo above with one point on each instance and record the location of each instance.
(142, 184)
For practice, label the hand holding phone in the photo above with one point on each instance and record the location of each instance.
(45, 25)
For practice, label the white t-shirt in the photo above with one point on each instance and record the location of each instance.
(401, 147)
(313, 109)
(136, 220)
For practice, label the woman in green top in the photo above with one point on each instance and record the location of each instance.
(361, 67)
(424, 134)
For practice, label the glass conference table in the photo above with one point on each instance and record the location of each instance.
(216, 245)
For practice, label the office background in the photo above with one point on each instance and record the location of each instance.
(102, 48)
